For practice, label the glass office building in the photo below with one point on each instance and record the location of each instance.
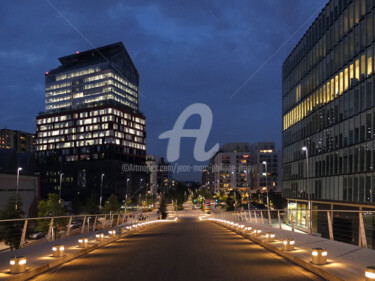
(329, 107)
(91, 125)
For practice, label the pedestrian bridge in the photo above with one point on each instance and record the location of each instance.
(189, 245)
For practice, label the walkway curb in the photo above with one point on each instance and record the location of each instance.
(32, 272)
(303, 263)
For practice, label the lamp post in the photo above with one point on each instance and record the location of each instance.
(101, 191)
(61, 175)
(308, 190)
(268, 198)
(126, 193)
(18, 183)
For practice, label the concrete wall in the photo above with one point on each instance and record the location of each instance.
(28, 190)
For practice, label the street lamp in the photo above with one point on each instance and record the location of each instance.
(268, 198)
(18, 183)
(308, 189)
(101, 191)
(126, 193)
(61, 175)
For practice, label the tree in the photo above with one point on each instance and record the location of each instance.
(51, 208)
(77, 205)
(12, 231)
(230, 201)
(163, 208)
(112, 204)
(92, 205)
(277, 200)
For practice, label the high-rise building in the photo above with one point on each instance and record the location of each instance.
(13, 139)
(329, 112)
(92, 128)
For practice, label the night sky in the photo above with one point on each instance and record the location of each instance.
(185, 51)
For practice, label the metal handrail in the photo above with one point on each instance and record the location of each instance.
(67, 216)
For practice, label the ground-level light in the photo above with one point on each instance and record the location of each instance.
(17, 265)
(270, 236)
(249, 228)
(257, 232)
(83, 242)
(289, 244)
(319, 256)
(99, 237)
(112, 233)
(58, 250)
(370, 273)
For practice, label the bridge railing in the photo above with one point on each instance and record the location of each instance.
(20, 233)
(350, 226)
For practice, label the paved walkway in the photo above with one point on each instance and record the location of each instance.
(345, 261)
(186, 250)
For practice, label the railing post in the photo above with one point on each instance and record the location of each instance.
(362, 241)
(111, 217)
(255, 216)
(261, 216)
(83, 225)
(50, 230)
(123, 218)
(278, 218)
(330, 229)
(269, 218)
(68, 230)
(95, 221)
(118, 219)
(291, 220)
(249, 215)
(22, 241)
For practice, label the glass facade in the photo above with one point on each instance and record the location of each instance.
(92, 125)
(94, 77)
(90, 85)
(329, 106)
(73, 132)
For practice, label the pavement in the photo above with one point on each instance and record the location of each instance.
(40, 256)
(345, 261)
(187, 250)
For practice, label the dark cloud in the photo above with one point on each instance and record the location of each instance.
(185, 51)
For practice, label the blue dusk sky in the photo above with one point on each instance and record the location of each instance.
(193, 51)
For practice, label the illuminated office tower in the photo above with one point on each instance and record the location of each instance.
(91, 126)
(328, 112)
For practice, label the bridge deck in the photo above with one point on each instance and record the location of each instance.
(187, 250)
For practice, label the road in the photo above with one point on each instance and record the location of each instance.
(186, 250)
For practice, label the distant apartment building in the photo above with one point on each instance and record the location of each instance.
(266, 167)
(230, 167)
(205, 182)
(240, 166)
(159, 173)
(18, 140)
(92, 129)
